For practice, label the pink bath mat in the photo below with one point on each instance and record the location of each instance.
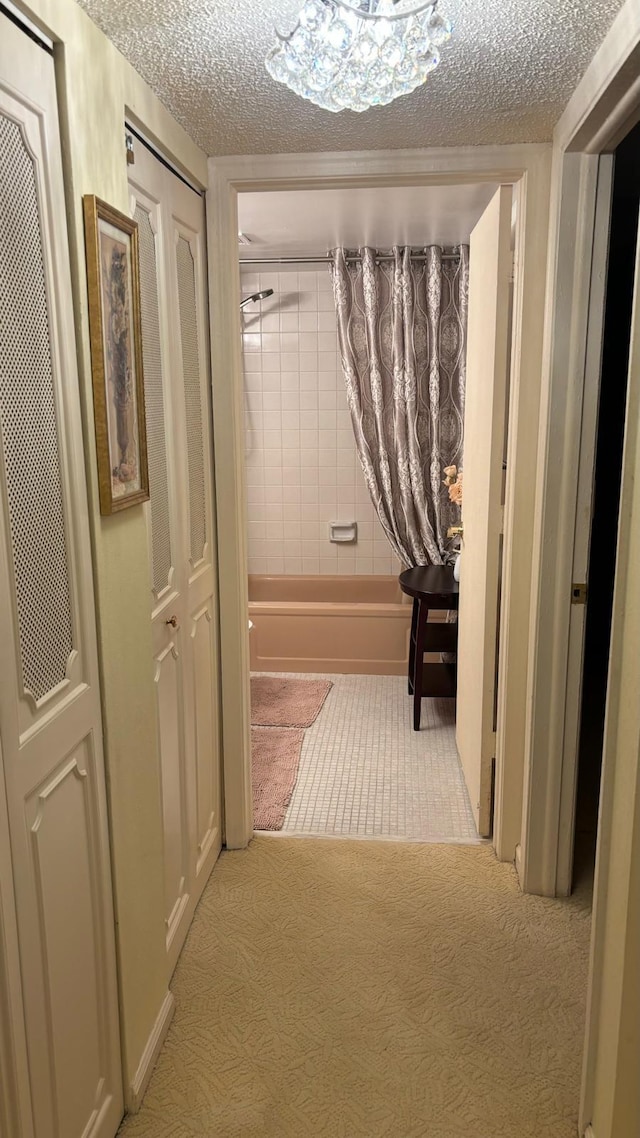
(275, 755)
(284, 702)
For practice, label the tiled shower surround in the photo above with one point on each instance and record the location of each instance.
(303, 471)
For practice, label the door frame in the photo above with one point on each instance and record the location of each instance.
(528, 168)
(604, 107)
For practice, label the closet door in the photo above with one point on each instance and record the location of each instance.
(182, 579)
(165, 573)
(50, 728)
(187, 258)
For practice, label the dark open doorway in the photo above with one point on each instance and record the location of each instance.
(606, 500)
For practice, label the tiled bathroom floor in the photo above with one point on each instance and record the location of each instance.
(364, 772)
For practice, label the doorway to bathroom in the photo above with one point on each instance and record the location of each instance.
(325, 605)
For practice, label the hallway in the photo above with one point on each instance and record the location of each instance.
(372, 990)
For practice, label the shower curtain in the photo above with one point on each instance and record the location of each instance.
(402, 334)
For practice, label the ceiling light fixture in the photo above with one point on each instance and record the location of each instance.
(356, 54)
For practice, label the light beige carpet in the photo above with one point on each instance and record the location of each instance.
(354, 989)
(275, 758)
(280, 701)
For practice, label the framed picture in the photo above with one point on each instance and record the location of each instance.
(116, 355)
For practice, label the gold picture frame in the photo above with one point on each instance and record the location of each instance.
(115, 329)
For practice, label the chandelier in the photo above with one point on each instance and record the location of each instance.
(356, 54)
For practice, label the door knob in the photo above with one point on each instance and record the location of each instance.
(173, 621)
(455, 531)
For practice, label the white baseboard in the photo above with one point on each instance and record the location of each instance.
(589, 1132)
(136, 1091)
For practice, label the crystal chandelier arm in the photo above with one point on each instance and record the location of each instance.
(373, 11)
(407, 8)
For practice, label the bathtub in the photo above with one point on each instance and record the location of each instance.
(329, 624)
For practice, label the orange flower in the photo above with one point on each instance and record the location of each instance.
(455, 493)
(455, 486)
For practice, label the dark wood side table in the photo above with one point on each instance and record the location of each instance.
(432, 587)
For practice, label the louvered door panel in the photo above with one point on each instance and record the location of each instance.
(39, 553)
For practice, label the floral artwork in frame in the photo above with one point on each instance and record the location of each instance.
(116, 355)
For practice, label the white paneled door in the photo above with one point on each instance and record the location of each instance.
(484, 434)
(183, 586)
(57, 907)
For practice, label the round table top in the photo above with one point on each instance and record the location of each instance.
(427, 581)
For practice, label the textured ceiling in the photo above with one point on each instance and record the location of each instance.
(505, 76)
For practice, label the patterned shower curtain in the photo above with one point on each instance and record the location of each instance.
(402, 332)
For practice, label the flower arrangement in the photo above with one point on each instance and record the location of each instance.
(453, 480)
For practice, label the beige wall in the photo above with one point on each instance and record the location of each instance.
(96, 88)
(302, 464)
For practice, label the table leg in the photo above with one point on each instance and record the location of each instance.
(423, 615)
(412, 644)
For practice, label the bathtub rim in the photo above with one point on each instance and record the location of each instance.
(332, 579)
(326, 608)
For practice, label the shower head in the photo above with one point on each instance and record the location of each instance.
(256, 296)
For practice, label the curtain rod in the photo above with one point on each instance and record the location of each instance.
(327, 260)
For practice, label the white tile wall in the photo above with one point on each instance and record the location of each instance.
(302, 467)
